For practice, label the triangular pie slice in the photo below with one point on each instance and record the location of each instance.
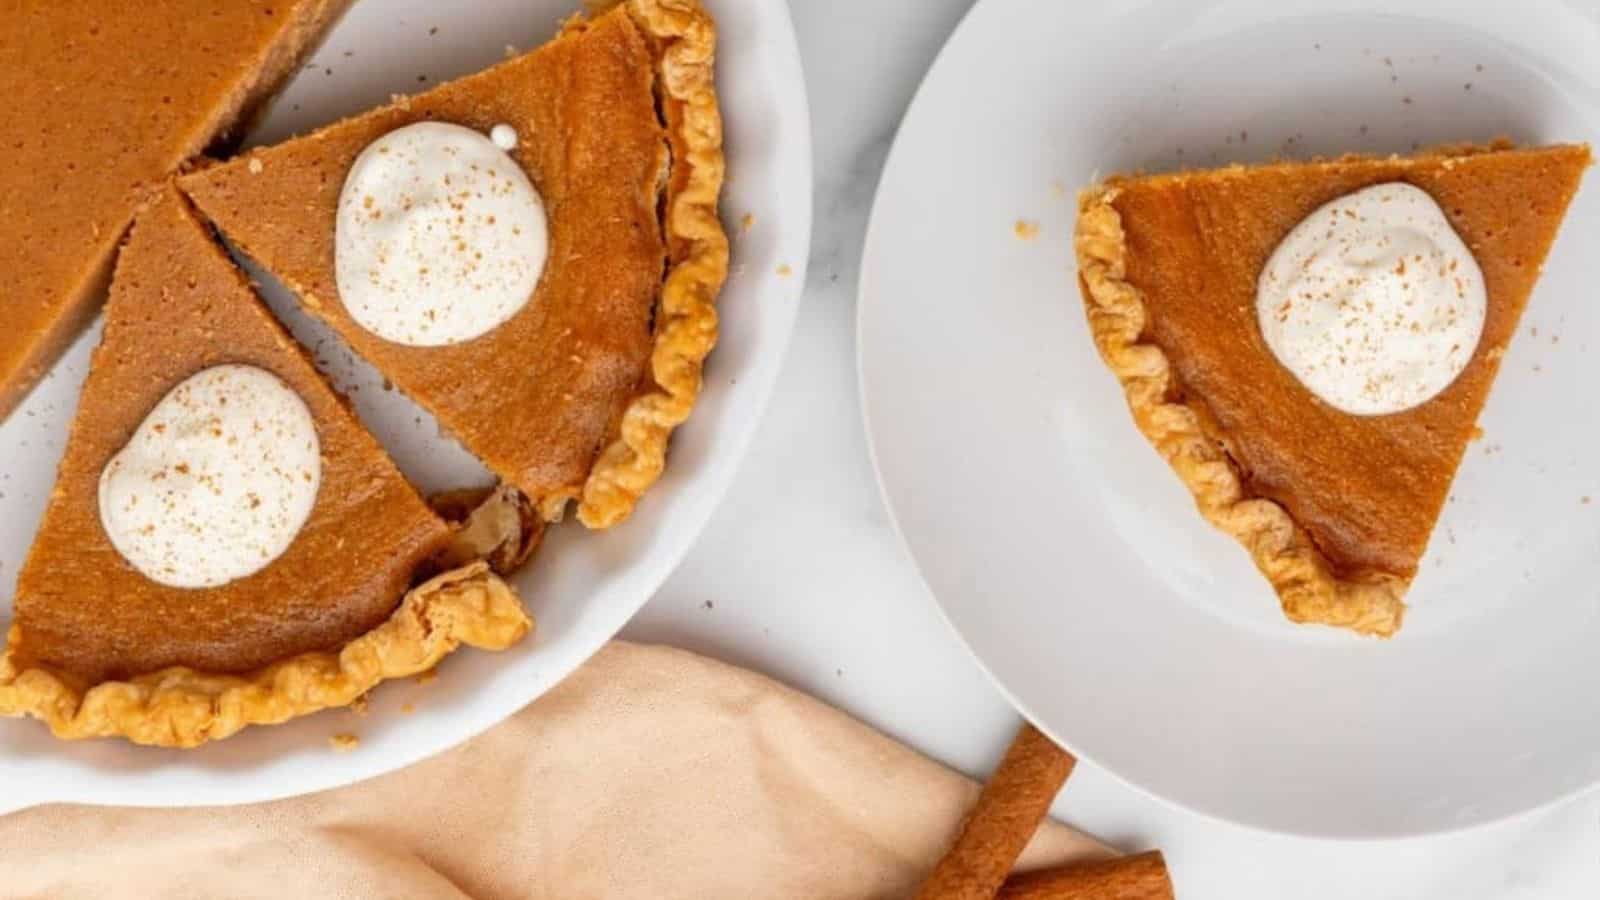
(617, 126)
(1335, 509)
(104, 101)
(99, 649)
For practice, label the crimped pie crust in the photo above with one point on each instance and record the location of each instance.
(1307, 586)
(697, 247)
(180, 707)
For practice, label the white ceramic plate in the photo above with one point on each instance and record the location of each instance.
(582, 586)
(1063, 550)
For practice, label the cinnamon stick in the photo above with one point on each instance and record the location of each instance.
(1141, 877)
(1007, 814)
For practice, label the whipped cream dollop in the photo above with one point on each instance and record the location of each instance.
(504, 137)
(1373, 301)
(440, 236)
(216, 481)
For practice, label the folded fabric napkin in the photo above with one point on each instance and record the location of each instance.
(650, 773)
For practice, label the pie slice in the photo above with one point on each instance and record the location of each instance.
(103, 102)
(617, 127)
(98, 648)
(1335, 509)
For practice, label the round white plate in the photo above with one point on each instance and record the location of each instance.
(582, 587)
(1065, 552)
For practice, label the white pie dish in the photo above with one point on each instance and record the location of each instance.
(583, 586)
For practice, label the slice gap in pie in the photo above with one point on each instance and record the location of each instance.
(575, 395)
(495, 524)
(109, 642)
(104, 102)
(1335, 509)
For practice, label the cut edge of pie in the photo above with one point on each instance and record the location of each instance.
(180, 707)
(697, 266)
(1311, 590)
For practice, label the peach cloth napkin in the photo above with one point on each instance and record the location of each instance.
(650, 773)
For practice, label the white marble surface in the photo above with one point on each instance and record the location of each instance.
(800, 576)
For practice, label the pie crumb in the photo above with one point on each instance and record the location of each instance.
(407, 709)
(748, 222)
(344, 743)
(784, 271)
(1025, 230)
(359, 705)
(428, 677)
(1477, 433)
(254, 166)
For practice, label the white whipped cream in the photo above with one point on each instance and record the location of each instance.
(1373, 301)
(216, 481)
(504, 137)
(440, 236)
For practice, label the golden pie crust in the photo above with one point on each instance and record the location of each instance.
(1348, 556)
(697, 250)
(180, 707)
